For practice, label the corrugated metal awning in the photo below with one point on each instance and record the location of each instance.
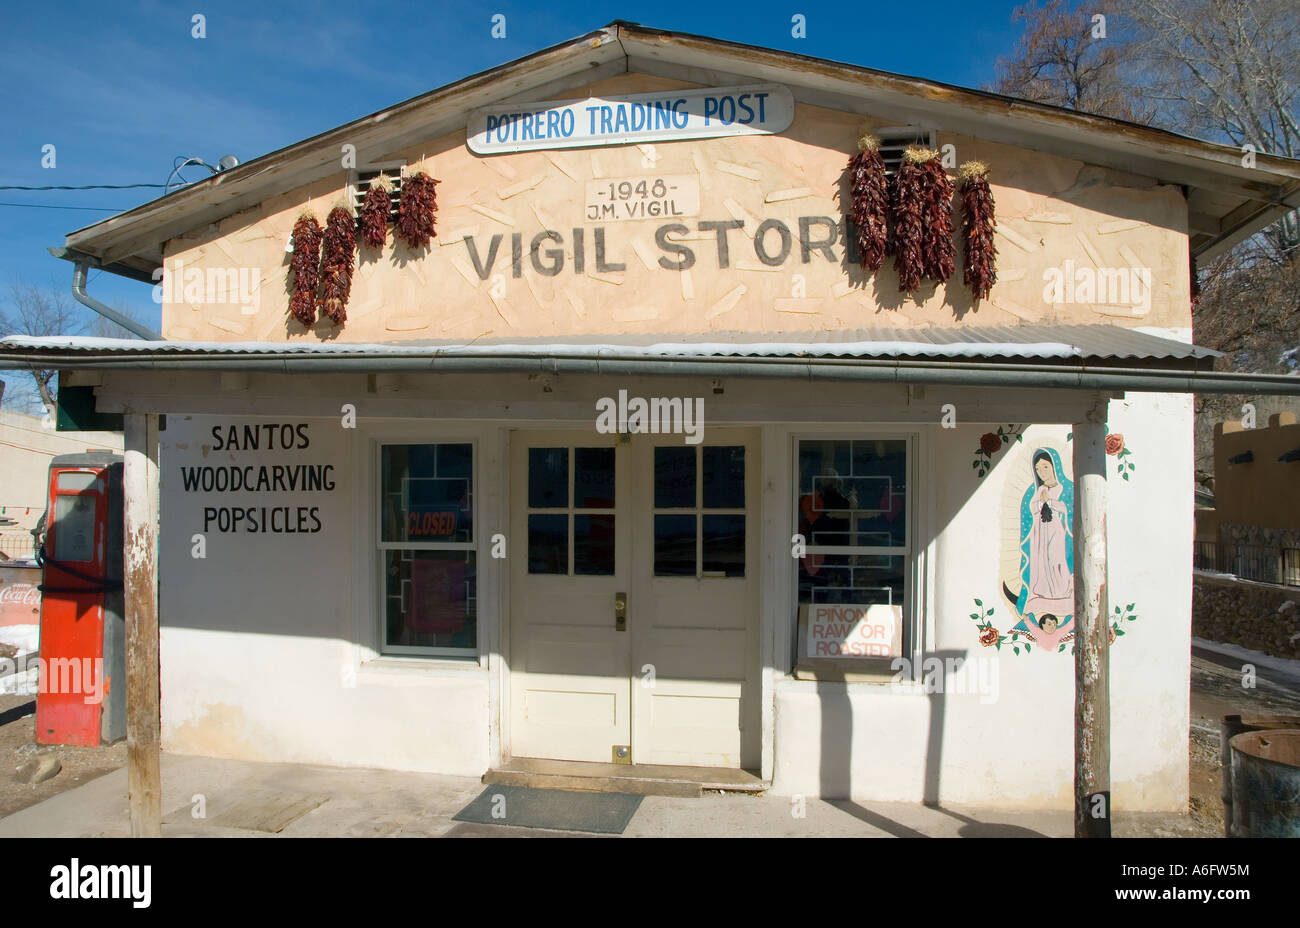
(1096, 358)
(1089, 343)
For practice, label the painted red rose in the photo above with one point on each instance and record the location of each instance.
(990, 443)
(989, 637)
(1114, 443)
(1112, 634)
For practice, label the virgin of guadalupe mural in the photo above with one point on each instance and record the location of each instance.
(1045, 601)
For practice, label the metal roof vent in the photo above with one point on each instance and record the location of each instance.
(894, 141)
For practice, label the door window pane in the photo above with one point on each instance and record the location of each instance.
(430, 599)
(674, 478)
(548, 544)
(427, 493)
(593, 545)
(724, 545)
(724, 477)
(593, 478)
(548, 478)
(675, 545)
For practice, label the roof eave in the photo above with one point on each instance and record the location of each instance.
(134, 239)
(1081, 376)
(113, 240)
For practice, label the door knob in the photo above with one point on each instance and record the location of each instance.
(620, 612)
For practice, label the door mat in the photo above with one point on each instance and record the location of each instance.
(471, 830)
(555, 809)
(252, 810)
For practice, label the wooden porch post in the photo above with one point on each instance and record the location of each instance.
(140, 492)
(1092, 631)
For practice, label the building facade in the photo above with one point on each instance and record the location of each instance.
(636, 462)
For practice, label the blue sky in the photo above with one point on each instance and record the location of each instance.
(121, 90)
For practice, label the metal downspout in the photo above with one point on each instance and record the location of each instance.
(85, 299)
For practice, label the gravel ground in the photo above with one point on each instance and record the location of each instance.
(1216, 692)
(17, 746)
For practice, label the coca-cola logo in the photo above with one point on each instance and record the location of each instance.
(20, 594)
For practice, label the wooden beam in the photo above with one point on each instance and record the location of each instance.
(1092, 807)
(1203, 223)
(140, 492)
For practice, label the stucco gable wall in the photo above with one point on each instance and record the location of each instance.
(1056, 216)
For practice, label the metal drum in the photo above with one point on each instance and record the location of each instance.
(1231, 726)
(1266, 784)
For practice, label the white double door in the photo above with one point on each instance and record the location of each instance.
(633, 592)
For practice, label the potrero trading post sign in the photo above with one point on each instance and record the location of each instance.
(760, 109)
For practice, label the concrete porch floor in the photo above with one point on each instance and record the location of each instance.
(359, 802)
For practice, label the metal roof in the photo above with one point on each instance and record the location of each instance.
(1095, 343)
(1093, 358)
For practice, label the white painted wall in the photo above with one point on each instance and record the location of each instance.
(883, 742)
(268, 644)
(260, 654)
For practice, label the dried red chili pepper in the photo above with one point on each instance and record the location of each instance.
(305, 267)
(416, 210)
(869, 209)
(911, 186)
(937, 251)
(376, 207)
(979, 271)
(338, 251)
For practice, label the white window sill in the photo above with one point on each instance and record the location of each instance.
(791, 684)
(415, 669)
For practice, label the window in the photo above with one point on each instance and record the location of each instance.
(426, 549)
(699, 511)
(851, 507)
(571, 511)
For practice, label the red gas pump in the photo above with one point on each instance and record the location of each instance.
(81, 697)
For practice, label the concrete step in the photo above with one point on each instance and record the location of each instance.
(638, 779)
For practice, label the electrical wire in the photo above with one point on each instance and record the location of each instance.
(85, 187)
(97, 209)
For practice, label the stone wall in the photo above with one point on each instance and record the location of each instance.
(1252, 615)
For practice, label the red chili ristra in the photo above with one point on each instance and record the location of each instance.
(979, 271)
(338, 251)
(416, 210)
(937, 253)
(376, 207)
(911, 186)
(869, 207)
(305, 267)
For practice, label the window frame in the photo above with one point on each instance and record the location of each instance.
(379, 547)
(843, 669)
(570, 510)
(698, 511)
